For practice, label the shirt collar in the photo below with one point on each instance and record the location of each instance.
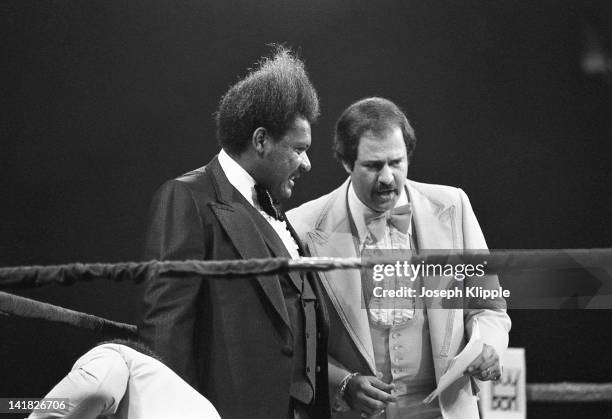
(360, 211)
(237, 176)
(245, 184)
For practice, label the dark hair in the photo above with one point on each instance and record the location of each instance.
(270, 96)
(374, 114)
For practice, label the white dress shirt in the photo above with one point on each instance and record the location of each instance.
(245, 184)
(116, 381)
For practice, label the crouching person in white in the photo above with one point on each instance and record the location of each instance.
(114, 380)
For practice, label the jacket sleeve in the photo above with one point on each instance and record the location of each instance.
(493, 321)
(168, 312)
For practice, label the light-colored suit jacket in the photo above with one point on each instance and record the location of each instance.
(443, 219)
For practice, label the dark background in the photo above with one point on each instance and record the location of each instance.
(104, 101)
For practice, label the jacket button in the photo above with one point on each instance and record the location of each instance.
(318, 368)
(287, 350)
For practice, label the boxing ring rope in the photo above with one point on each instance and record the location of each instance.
(569, 392)
(496, 262)
(27, 308)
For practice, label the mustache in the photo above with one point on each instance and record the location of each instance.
(386, 188)
(299, 172)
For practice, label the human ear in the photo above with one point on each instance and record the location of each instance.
(259, 138)
(347, 167)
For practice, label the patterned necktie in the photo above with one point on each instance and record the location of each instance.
(266, 203)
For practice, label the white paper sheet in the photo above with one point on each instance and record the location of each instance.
(459, 364)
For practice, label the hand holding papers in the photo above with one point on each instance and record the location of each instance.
(458, 365)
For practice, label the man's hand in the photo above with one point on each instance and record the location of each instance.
(368, 395)
(486, 366)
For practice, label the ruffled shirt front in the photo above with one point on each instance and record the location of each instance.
(384, 311)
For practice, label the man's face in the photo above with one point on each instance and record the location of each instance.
(380, 169)
(286, 159)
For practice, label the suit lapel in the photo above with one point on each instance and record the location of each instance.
(276, 245)
(434, 223)
(232, 213)
(436, 229)
(332, 237)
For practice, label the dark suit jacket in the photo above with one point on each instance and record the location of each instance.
(229, 338)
